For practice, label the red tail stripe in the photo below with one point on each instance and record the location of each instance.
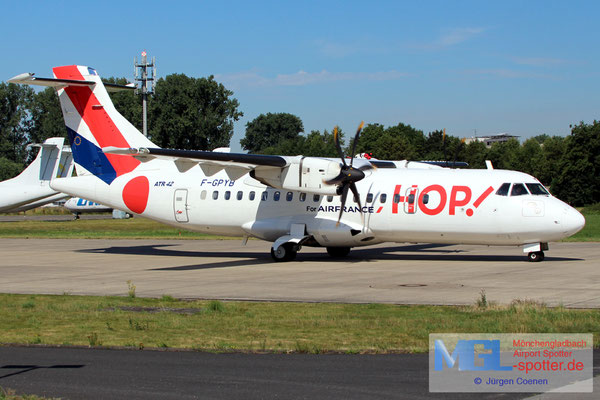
(97, 119)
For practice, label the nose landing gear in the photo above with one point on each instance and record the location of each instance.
(535, 251)
(535, 256)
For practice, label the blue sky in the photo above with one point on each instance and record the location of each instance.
(522, 67)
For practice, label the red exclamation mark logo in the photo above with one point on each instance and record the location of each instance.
(480, 200)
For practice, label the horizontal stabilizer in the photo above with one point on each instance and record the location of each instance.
(29, 79)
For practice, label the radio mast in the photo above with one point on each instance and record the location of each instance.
(145, 73)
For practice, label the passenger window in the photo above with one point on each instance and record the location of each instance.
(203, 195)
(251, 196)
(537, 189)
(425, 198)
(316, 198)
(289, 196)
(276, 196)
(264, 196)
(369, 197)
(411, 198)
(397, 198)
(240, 195)
(518, 189)
(302, 196)
(330, 198)
(382, 198)
(227, 195)
(215, 195)
(503, 190)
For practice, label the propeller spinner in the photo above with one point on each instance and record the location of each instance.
(348, 176)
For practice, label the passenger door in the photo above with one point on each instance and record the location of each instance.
(180, 205)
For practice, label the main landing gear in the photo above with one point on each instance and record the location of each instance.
(285, 252)
(535, 251)
(288, 252)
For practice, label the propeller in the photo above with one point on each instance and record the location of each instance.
(348, 176)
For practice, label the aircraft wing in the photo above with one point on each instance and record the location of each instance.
(284, 172)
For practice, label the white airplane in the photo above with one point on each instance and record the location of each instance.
(31, 188)
(296, 201)
(77, 206)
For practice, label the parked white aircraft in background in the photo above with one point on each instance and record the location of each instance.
(77, 206)
(296, 201)
(31, 188)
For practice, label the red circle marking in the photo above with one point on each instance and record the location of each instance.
(135, 194)
(469, 212)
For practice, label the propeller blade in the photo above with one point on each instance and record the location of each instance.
(337, 180)
(360, 126)
(344, 196)
(336, 139)
(356, 195)
(357, 199)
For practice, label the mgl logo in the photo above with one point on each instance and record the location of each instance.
(465, 355)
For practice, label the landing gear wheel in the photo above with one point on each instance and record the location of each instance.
(338, 252)
(285, 252)
(535, 256)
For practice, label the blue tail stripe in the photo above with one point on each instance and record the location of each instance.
(91, 157)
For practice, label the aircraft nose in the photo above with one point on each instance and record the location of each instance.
(573, 221)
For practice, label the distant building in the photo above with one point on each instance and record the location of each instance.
(488, 140)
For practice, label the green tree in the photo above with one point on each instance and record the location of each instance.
(530, 156)
(270, 130)
(393, 143)
(192, 113)
(127, 102)
(505, 155)
(542, 138)
(578, 181)
(9, 169)
(319, 144)
(553, 151)
(15, 121)
(46, 117)
(475, 153)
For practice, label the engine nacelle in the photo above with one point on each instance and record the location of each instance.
(305, 174)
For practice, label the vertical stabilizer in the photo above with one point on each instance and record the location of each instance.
(43, 167)
(33, 183)
(93, 123)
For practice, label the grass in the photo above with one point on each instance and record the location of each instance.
(591, 231)
(9, 394)
(133, 228)
(266, 327)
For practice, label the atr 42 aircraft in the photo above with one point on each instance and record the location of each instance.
(296, 201)
(31, 188)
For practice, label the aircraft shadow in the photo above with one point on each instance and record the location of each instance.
(425, 252)
(28, 368)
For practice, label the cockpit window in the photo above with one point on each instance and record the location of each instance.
(503, 190)
(518, 189)
(537, 189)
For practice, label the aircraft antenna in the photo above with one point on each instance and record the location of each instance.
(145, 74)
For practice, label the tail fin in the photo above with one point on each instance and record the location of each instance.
(33, 183)
(45, 165)
(92, 121)
(66, 165)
